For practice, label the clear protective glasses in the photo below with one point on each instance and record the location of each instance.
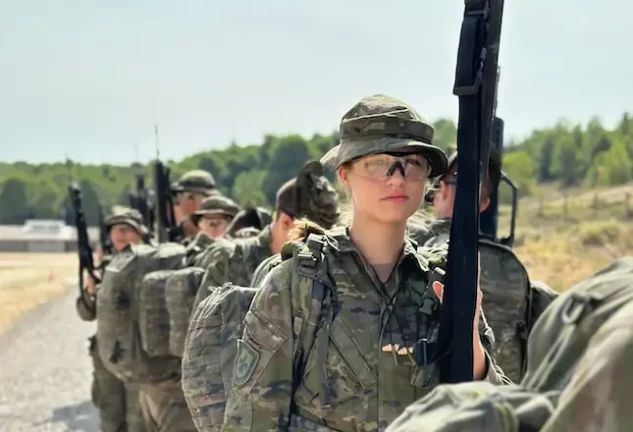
(381, 166)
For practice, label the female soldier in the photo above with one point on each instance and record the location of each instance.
(356, 371)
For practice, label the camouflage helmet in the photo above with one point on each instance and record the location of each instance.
(126, 216)
(197, 181)
(378, 124)
(216, 205)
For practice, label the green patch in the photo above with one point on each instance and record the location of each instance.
(245, 363)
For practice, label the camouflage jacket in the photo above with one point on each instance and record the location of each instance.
(579, 361)
(232, 261)
(362, 374)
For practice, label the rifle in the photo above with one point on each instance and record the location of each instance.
(140, 200)
(86, 262)
(104, 237)
(488, 222)
(167, 229)
(475, 86)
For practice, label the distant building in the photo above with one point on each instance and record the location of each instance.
(43, 235)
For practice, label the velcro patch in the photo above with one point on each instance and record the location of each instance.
(245, 362)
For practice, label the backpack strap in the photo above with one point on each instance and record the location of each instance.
(324, 307)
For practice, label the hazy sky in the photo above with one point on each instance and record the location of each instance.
(91, 78)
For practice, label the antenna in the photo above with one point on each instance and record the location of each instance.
(137, 153)
(69, 165)
(157, 142)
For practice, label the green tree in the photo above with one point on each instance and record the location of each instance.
(13, 202)
(520, 169)
(566, 163)
(612, 167)
(247, 189)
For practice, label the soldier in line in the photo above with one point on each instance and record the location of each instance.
(336, 335)
(308, 195)
(118, 403)
(215, 214)
(206, 365)
(192, 188)
(512, 302)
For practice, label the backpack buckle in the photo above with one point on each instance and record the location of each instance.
(573, 310)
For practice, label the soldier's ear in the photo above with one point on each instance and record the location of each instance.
(343, 176)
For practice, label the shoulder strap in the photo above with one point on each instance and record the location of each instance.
(324, 306)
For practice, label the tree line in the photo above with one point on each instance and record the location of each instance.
(570, 154)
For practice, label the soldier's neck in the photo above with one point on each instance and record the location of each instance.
(380, 243)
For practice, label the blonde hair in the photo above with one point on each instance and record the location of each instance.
(303, 228)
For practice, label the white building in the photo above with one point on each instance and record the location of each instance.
(42, 235)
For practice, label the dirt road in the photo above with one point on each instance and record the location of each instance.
(45, 371)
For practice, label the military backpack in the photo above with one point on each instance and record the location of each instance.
(132, 319)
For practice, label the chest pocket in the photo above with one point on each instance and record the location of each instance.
(344, 375)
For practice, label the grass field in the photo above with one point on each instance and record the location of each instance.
(28, 280)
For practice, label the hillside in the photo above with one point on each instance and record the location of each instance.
(565, 157)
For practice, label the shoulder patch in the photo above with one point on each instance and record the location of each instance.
(245, 362)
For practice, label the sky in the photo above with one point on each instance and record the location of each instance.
(89, 79)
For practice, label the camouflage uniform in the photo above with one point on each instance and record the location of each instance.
(580, 355)
(117, 401)
(233, 261)
(369, 383)
(344, 362)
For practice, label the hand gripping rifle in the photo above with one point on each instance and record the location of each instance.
(86, 262)
(475, 86)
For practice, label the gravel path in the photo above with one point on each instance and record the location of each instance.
(45, 371)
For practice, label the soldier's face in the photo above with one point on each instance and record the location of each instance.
(213, 225)
(387, 188)
(189, 202)
(123, 235)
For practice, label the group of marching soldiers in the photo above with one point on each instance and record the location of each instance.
(336, 313)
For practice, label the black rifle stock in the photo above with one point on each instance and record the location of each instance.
(104, 237)
(475, 86)
(86, 262)
(141, 201)
(164, 204)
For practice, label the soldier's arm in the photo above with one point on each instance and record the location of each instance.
(599, 395)
(262, 375)
(215, 263)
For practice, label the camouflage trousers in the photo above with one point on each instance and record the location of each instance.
(165, 409)
(117, 402)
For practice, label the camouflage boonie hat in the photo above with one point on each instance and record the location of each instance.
(216, 205)
(378, 124)
(197, 181)
(126, 216)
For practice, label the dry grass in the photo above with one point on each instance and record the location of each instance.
(28, 280)
(566, 254)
